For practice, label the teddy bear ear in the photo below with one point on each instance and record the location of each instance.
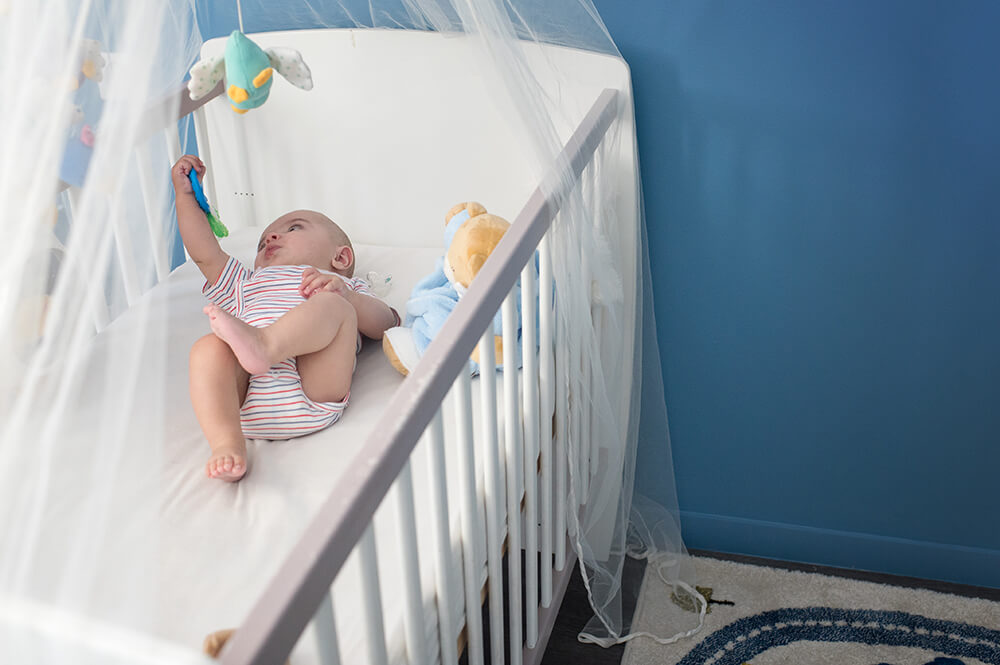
(473, 207)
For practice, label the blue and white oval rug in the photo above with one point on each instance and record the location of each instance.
(766, 616)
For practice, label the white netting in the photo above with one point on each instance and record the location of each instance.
(86, 210)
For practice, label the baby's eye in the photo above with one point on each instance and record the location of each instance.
(294, 226)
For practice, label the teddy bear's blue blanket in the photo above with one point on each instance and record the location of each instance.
(430, 303)
(434, 297)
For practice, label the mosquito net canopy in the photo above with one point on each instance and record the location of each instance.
(86, 209)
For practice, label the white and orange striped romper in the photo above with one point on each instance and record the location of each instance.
(276, 407)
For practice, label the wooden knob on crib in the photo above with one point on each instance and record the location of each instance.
(215, 641)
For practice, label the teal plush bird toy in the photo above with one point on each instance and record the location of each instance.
(248, 70)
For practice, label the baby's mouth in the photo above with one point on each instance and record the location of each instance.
(269, 252)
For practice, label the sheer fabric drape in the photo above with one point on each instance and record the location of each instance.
(86, 74)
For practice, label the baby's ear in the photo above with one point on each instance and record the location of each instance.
(343, 259)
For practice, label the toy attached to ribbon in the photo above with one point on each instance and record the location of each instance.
(218, 228)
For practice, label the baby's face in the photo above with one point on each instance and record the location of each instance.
(297, 238)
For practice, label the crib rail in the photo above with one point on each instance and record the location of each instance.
(294, 595)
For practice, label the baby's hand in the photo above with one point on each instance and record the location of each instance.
(314, 281)
(179, 173)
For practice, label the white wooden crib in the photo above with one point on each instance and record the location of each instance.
(399, 127)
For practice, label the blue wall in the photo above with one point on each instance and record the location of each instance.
(821, 182)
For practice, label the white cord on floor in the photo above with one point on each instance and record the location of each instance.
(661, 563)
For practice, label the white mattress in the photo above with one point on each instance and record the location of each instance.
(223, 542)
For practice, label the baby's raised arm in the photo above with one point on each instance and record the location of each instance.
(197, 235)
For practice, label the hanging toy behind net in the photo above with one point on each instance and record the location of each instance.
(218, 228)
(248, 70)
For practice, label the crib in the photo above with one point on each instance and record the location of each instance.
(435, 487)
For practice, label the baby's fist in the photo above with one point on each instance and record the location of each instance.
(314, 281)
(179, 173)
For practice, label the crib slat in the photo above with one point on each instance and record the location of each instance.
(594, 423)
(98, 301)
(562, 431)
(371, 598)
(442, 532)
(512, 439)
(325, 627)
(462, 392)
(406, 523)
(493, 491)
(173, 138)
(126, 258)
(205, 151)
(547, 391)
(582, 410)
(529, 378)
(581, 402)
(157, 236)
(571, 442)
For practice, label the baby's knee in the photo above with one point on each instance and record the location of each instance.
(209, 349)
(340, 307)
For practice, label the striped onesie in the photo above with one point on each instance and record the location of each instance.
(276, 407)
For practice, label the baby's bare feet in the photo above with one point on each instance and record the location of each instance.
(227, 463)
(245, 340)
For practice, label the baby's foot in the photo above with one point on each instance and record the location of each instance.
(227, 463)
(245, 340)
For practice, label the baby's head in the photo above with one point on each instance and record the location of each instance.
(306, 237)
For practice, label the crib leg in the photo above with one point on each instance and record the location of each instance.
(547, 617)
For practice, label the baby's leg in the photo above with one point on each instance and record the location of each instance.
(321, 333)
(218, 387)
(326, 374)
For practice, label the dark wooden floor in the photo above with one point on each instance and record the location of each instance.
(575, 612)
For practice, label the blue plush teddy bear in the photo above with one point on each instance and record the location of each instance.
(470, 235)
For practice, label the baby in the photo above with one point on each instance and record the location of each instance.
(279, 361)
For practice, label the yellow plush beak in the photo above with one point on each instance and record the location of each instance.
(263, 77)
(237, 94)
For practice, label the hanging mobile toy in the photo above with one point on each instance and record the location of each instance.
(218, 228)
(247, 69)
